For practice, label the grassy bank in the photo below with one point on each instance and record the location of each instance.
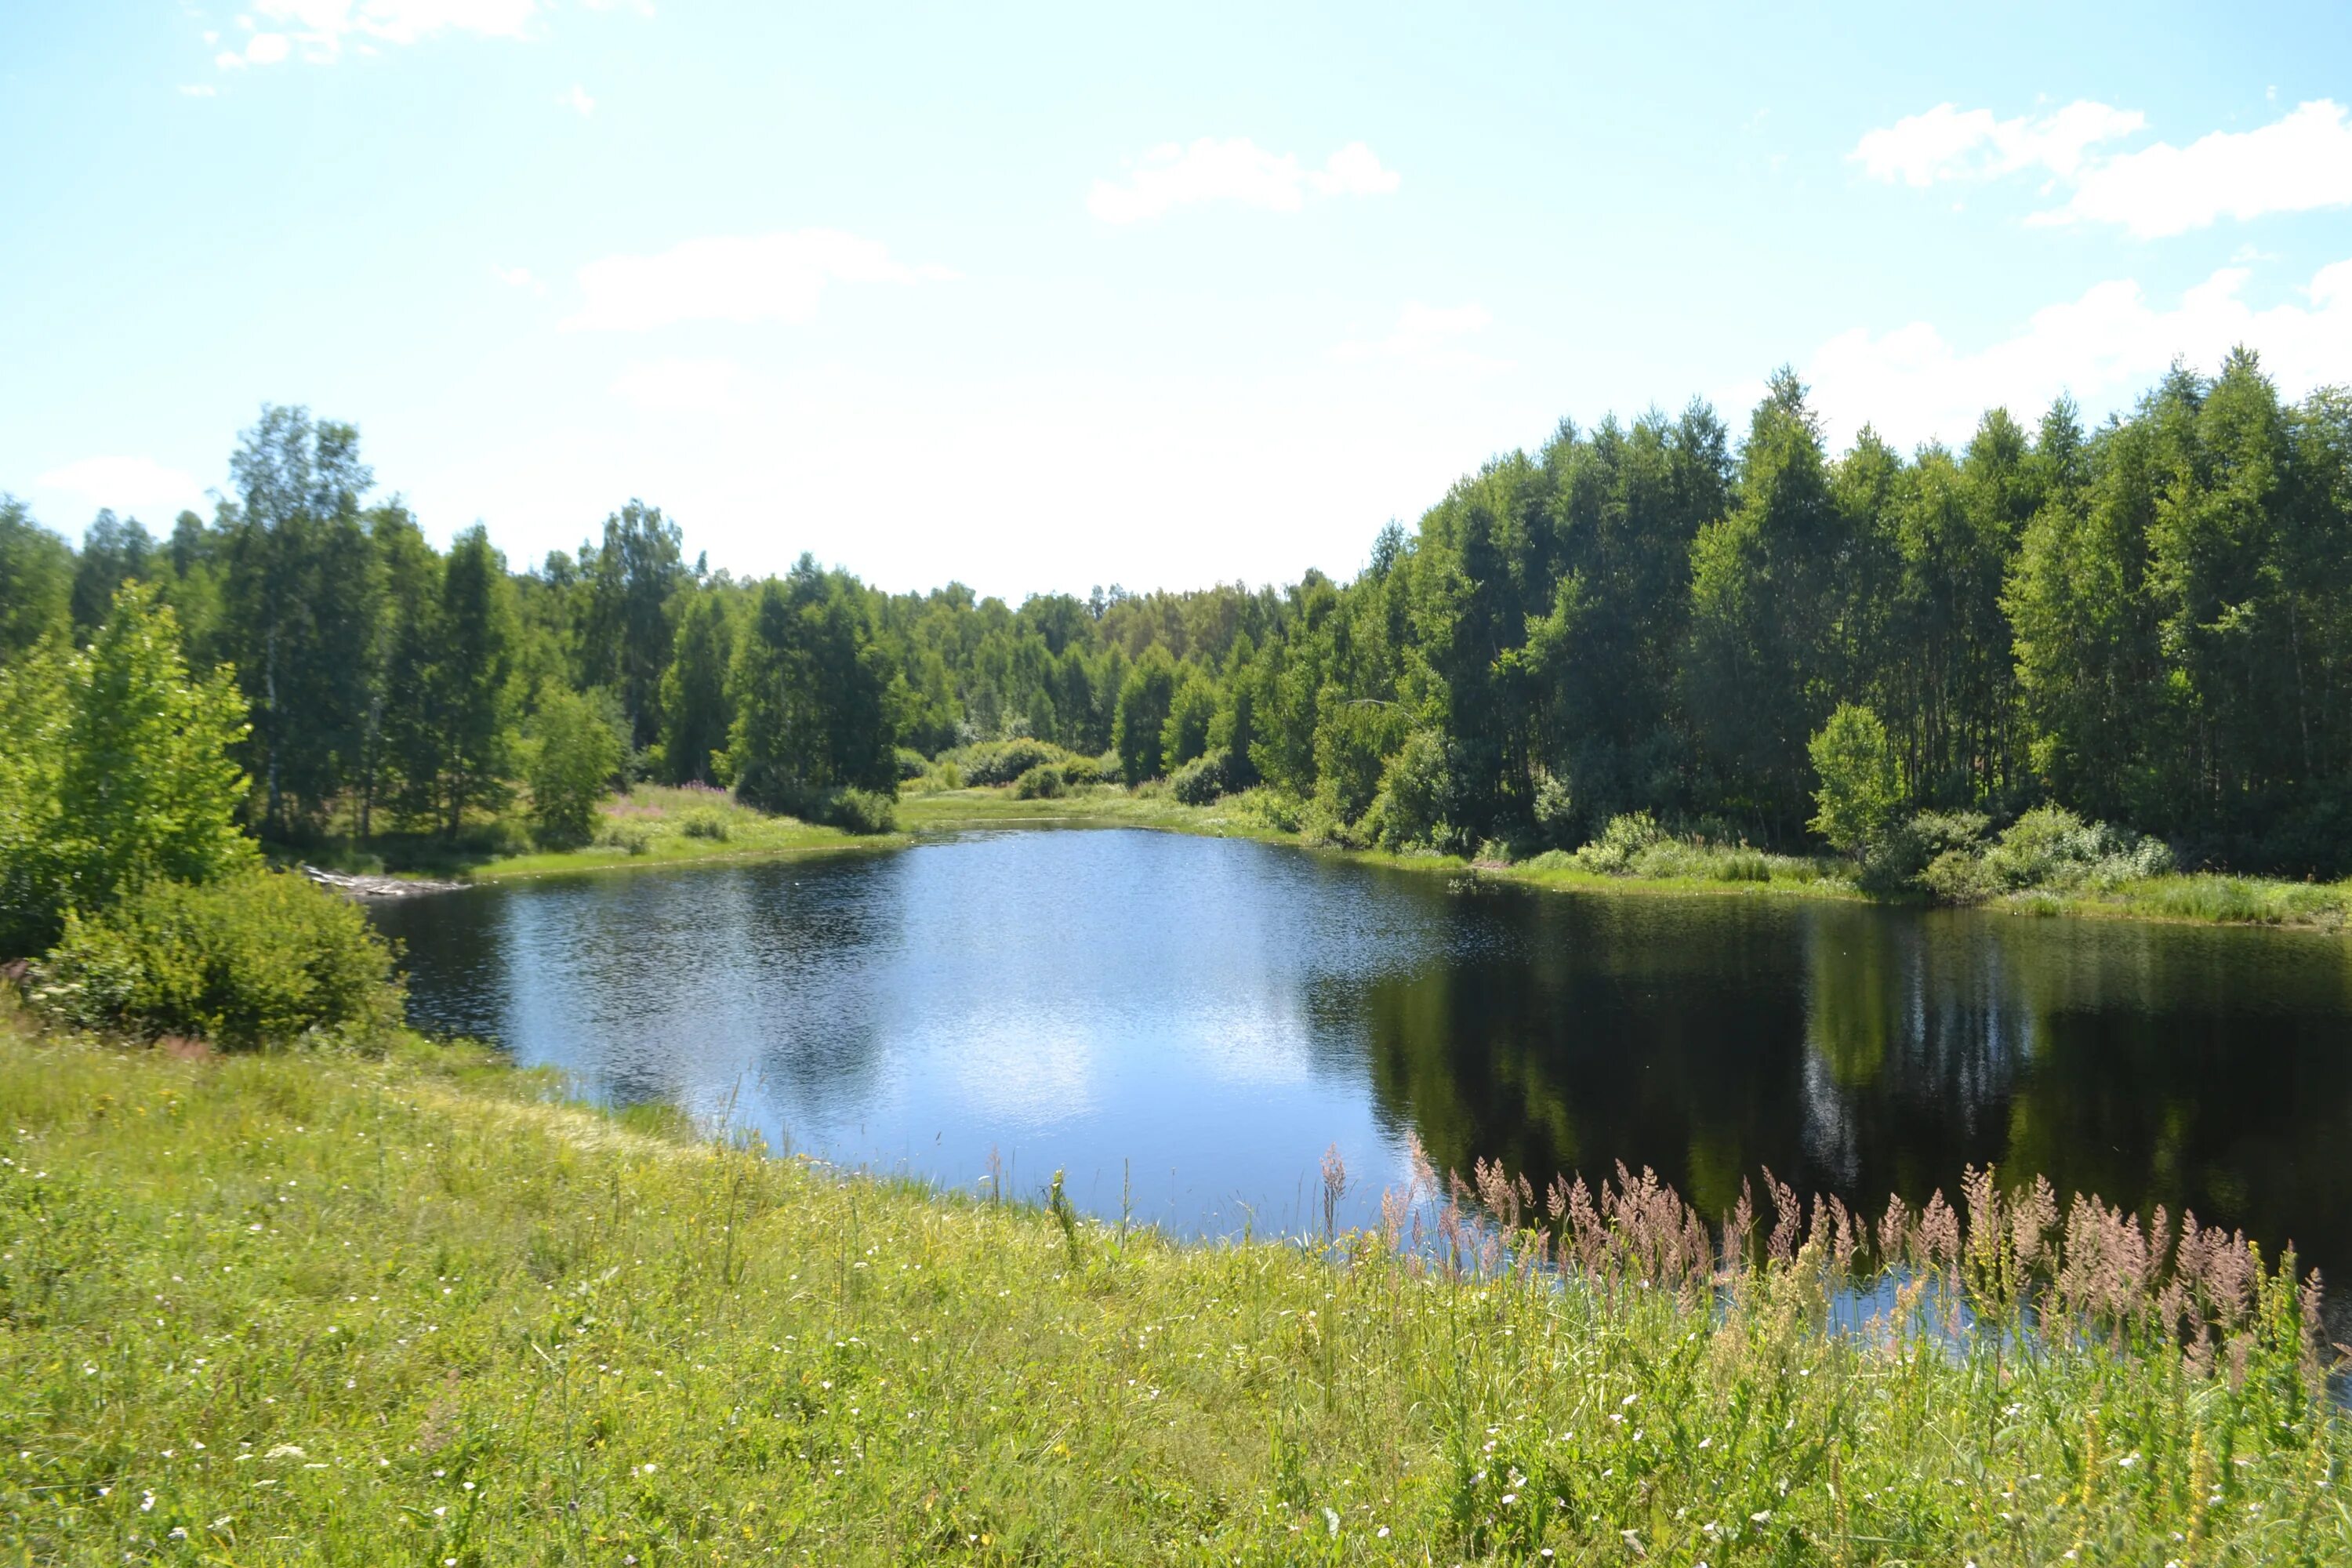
(657, 826)
(279, 1309)
(652, 824)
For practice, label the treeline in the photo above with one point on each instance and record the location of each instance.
(2149, 621)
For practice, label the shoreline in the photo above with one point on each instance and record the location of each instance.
(2252, 902)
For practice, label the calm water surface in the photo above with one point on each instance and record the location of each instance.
(1193, 1021)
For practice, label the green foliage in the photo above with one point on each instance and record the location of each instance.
(862, 811)
(1204, 780)
(706, 822)
(630, 628)
(1145, 699)
(1861, 792)
(1004, 762)
(623, 1341)
(1418, 794)
(115, 771)
(36, 573)
(1353, 742)
(262, 959)
(1192, 711)
(813, 716)
(1624, 837)
(626, 834)
(573, 759)
(1046, 780)
(695, 709)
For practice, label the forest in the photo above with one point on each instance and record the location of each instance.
(2146, 622)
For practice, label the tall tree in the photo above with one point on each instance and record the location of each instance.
(302, 598)
(472, 679)
(631, 620)
(36, 569)
(811, 692)
(696, 711)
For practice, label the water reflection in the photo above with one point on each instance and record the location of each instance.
(1193, 1022)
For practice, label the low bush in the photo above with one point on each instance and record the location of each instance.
(912, 763)
(261, 960)
(628, 833)
(706, 822)
(995, 762)
(862, 811)
(1204, 780)
(1624, 837)
(1046, 780)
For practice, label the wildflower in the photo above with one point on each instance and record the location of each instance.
(147, 1503)
(1383, 1532)
(1763, 1518)
(651, 1468)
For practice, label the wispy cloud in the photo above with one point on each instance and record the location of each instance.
(1948, 142)
(759, 277)
(2299, 162)
(324, 29)
(578, 100)
(2103, 347)
(517, 277)
(1239, 170)
(1424, 335)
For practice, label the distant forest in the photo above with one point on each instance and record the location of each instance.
(2149, 621)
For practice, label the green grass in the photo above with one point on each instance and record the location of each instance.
(648, 827)
(2214, 899)
(653, 824)
(315, 1309)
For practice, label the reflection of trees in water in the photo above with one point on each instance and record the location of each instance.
(1870, 1052)
(1613, 1034)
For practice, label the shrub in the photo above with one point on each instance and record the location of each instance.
(1417, 793)
(912, 763)
(1624, 837)
(1043, 782)
(706, 822)
(571, 768)
(1204, 779)
(862, 811)
(1077, 770)
(1003, 762)
(259, 960)
(1905, 852)
(636, 837)
(1861, 789)
(2050, 847)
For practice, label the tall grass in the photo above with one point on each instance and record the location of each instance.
(282, 1308)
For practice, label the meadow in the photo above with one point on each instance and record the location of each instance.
(315, 1306)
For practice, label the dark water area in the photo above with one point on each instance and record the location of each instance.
(1193, 1022)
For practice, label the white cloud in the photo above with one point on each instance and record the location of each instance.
(323, 30)
(2298, 163)
(760, 278)
(1948, 142)
(578, 99)
(517, 278)
(128, 484)
(1238, 170)
(2104, 348)
(200, 90)
(1424, 335)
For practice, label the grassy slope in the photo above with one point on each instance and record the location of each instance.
(307, 1309)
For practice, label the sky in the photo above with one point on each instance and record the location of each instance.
(1041, 298)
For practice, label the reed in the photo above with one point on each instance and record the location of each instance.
(280, 1308)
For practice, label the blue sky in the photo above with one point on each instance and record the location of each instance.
(1041, 298)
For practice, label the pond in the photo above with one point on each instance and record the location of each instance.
(1186, 1025)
